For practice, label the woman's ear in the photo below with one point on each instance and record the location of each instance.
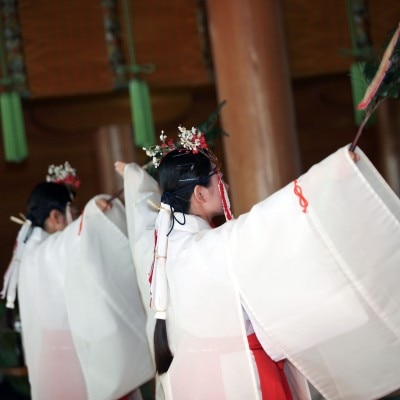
(200, 194)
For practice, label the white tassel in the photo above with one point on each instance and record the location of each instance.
(10, 284)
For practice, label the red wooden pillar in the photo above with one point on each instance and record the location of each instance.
(252, 74)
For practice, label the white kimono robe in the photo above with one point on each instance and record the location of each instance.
(316, 266)
(83, 322)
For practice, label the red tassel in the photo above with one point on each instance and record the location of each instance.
(225, 201)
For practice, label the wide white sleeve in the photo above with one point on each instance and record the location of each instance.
(141, 191)
(105, 309)
(317, 265)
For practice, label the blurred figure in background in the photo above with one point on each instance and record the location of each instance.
(83, 322)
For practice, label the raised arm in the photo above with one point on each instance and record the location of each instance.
(315, 265)
(141, 192)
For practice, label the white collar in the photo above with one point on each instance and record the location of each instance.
(192, 224)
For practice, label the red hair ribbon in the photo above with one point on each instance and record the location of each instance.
(224, 198)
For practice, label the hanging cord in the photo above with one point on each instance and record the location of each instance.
(159, 284)
(133, 67)
(12, 121)
(167, 198)
(358, 21)
(128, 23)
(6, 80)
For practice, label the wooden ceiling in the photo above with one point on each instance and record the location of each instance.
(66, 53)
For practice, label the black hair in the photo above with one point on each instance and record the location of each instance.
(46, 196)
(179, 172)
(162, 353)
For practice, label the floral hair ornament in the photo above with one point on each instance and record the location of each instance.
(190, 140)
(63, 173)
